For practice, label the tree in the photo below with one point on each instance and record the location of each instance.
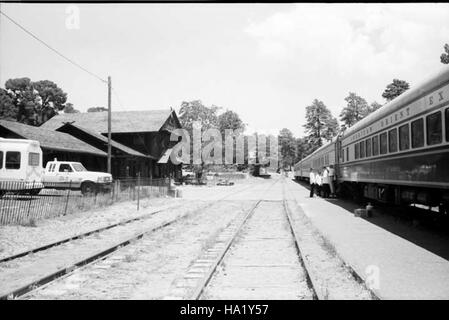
(69, 108)
(195, 111)
(374, 106)
(97, 109)
(395, 89)
(8, 110)
(230, 120)
(36, 102)
(302, 149)
(355, 110)
(287, 148)
(444, 58)
(320, 124)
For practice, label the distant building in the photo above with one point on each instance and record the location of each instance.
(141, 139)
(56, 144)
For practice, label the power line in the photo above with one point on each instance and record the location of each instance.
(52, 49)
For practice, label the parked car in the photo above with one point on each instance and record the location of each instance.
(20, 166)
(73, 175)
(225, 182)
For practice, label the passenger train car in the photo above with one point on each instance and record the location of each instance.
(399, 153)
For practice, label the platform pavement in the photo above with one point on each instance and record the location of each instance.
(404, 270)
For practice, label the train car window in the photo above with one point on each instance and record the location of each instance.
(356, 151)
(434, 128)
(375, 145)
(393, 140)
(417, 133)
(362, 149)
(447, 123)
(368, 147)
(1, 159)
(12, 160)
(383, 143)
(404, 137)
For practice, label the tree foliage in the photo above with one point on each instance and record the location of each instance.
(356, 109)
(287, 148)
(395, 89)
(374, 106)
(97, 109)
(193, 111)
(320, 124)
(33, 102)
(8, 110)
(444, 58)
(69, 108)
(230, 120)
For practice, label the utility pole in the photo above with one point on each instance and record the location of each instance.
(109, 125)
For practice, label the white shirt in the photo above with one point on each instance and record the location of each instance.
(325, 178)
(318, 179)
(312, 177)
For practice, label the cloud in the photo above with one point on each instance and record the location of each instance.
(355, 39)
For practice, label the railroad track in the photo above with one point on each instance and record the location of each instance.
(197, 279)
(315, 274)
(99, 255)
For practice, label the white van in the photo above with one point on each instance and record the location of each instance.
(20, 166)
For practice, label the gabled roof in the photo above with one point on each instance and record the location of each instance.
(50, 139)
(121, 122)
(104, 139)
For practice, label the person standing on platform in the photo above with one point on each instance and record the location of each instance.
(332, 180)
(319, 183)
(312, 181)
(325, 182)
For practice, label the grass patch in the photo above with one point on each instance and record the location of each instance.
(31, 222)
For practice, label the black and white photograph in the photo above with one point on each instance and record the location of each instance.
(205, 153)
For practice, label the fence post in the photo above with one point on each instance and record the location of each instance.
(138, 190)
(151, 185)
(118, 190)
(68, 196)
(29, 201)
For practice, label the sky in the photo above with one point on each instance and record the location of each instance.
(266, 62)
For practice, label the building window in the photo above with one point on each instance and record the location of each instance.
(393, 140)
(347, 154)
(368, 147)
(1, 159)
(447, 123)
(417, 133)
(362, 149)
(342, 155)
(12, 160)
(404, 137)
(375, 145)
(434, 128)
(356, 151)
(383, 143)
(33, 159)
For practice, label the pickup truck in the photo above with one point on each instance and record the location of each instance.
(73, 175)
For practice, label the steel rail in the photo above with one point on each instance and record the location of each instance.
(102, 254)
